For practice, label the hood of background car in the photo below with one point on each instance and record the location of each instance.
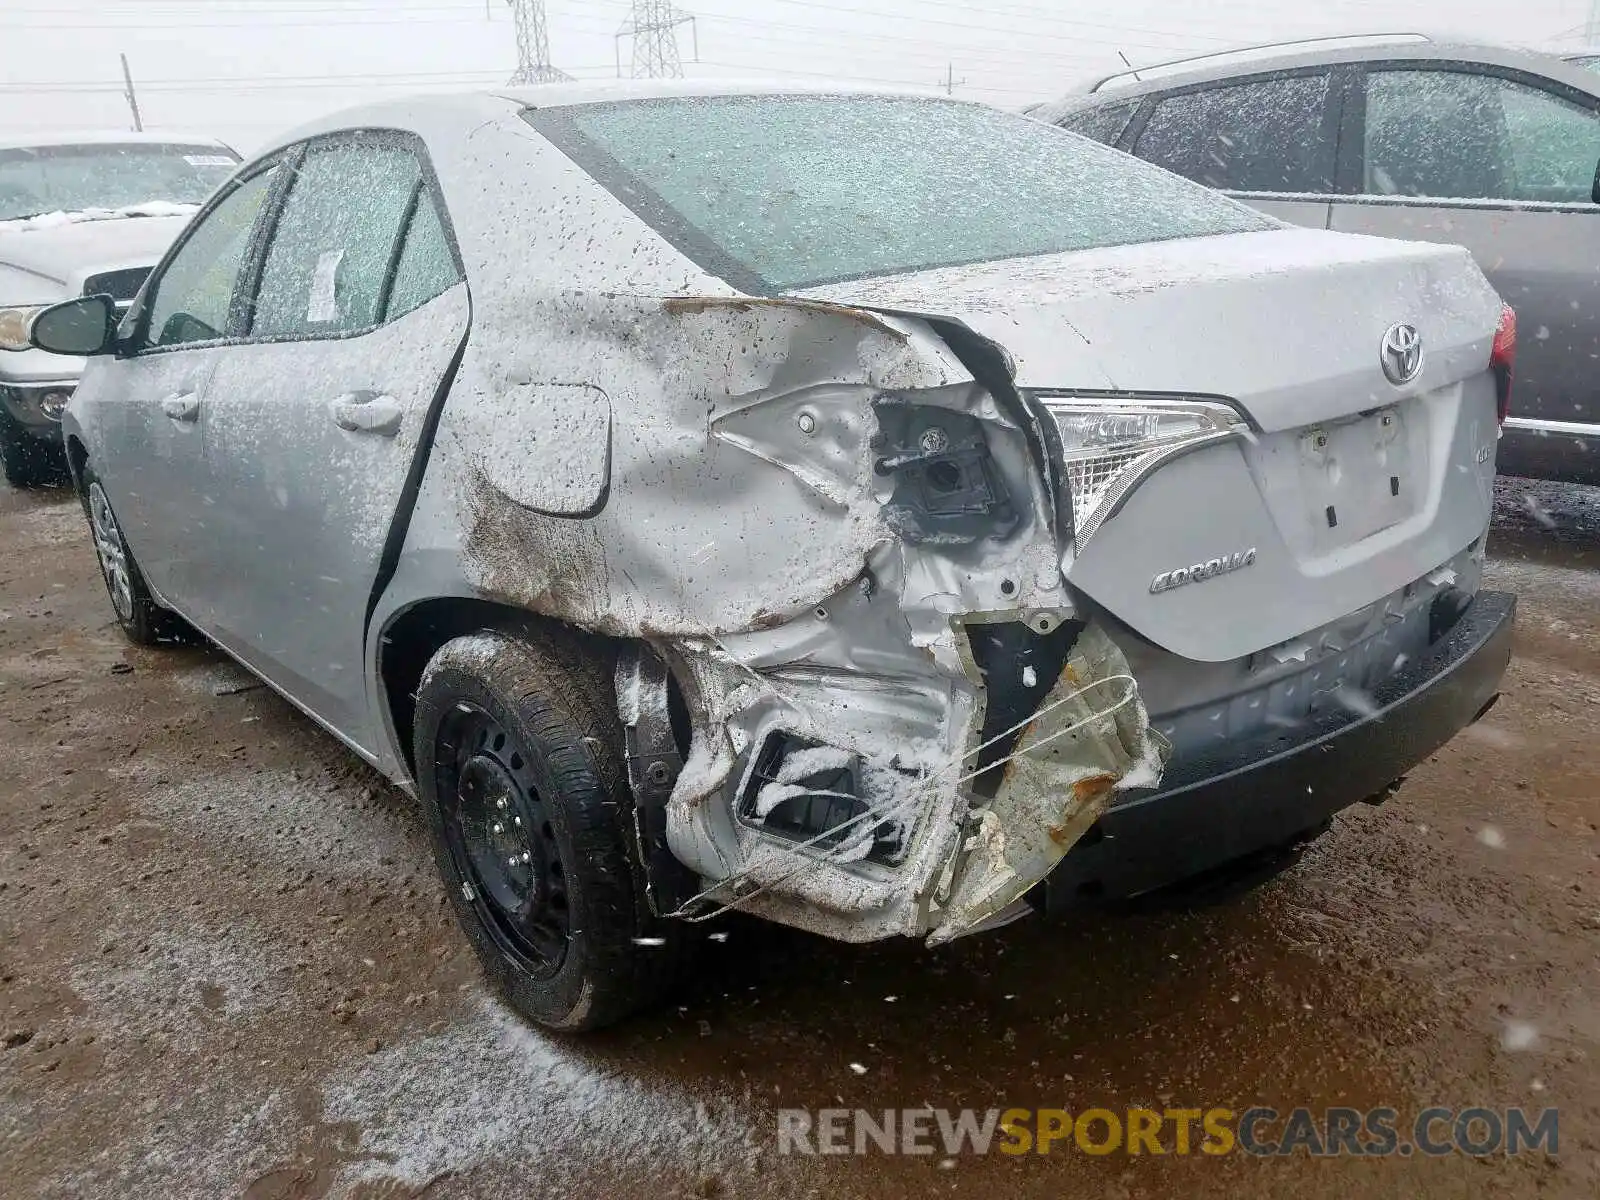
(72, 250)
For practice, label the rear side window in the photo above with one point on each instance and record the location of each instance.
(1102, 124)
(1456, 135)
(781, 192)
(336, 238)
(427, 266)
(1268, 136)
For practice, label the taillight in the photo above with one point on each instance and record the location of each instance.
(1503, 358)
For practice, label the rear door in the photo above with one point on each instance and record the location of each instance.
(1505, 164)
(1271, 141)
(314, 422)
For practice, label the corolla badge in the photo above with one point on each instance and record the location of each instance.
(1202, 571)
(1401, 354)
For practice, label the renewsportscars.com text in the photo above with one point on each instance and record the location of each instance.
(1318, 1133)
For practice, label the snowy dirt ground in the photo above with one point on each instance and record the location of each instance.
(226, 968)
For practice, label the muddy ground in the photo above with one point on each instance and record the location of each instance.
(226, 968)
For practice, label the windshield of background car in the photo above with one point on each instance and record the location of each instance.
(779, 192)
(47, 179)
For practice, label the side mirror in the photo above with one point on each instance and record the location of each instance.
(83, 327)
(1594, 189)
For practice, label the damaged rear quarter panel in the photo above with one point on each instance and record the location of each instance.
(733, 520)
(699, 533)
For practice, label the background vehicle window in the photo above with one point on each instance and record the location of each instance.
(427, 267)
(193, 297)
(1254, 137)
(1456, 135)
(330, 254)
(1102, 124)
(46, 179)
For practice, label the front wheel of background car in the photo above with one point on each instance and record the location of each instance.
(144, 621)
(520, 769)
(26, 463)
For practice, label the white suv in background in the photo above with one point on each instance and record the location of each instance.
(81, 215)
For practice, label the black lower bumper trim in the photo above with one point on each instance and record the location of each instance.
(1213, 810)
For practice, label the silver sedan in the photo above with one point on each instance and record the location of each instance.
(876, 512)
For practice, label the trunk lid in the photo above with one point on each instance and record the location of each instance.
(1345, 488)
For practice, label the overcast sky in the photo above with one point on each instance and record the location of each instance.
(244, 69)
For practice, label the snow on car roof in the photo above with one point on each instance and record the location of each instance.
(599, 91)
(486, 103)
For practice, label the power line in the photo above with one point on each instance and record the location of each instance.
(1053, 18)
(95, 26)
(942, 50)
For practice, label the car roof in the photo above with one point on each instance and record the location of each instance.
(101, 137)
(553, 95)
(1262, 59)
(486, 103)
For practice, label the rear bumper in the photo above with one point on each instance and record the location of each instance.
(1213, 810)
(1564, 450)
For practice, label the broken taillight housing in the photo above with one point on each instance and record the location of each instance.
(1108, 446)
(947, 488)
(1502, 360)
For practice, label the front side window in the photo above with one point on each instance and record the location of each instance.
(336, 239)
(192, 299)
(38, 180)
(1267, 136)
(781, 192)
(1457, 135)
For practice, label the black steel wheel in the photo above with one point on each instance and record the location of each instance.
(502, 838)
(519, 764)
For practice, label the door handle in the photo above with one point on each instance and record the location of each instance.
(367, 412)
(182, 406)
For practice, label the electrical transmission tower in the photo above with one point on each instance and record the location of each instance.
(653, 27)
(1591, 29)
(533, 44)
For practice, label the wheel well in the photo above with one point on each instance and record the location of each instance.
(77, 456)
(411, 639)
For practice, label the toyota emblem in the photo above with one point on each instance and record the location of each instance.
(1401, 354)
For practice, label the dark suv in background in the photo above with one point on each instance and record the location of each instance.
(1403, 136)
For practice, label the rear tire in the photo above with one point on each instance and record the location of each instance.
(519, 765)
(143, 621)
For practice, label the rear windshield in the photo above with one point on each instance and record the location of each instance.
(779, 192)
